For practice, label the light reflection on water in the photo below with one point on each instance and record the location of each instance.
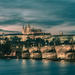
(46, 62)
(35, 67)
(63, 63)
(23, 61)
(63, 68)
(33, 61)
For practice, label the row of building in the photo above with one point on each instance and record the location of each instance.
(28, 31)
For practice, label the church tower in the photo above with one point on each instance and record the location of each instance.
(23, 30)
(28, 29)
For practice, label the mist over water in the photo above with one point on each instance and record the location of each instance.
(35, 67)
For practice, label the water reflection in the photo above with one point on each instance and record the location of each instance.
(33, 61)
(63, 63)
(63, 67)
(46, 62)
(23, 61)
(17, 60)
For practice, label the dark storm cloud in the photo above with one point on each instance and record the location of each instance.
(48, 13)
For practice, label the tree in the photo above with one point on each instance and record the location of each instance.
(36, 42)
(5, 48)
(28, 43)
(40, 42)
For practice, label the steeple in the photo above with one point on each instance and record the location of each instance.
(23, 30)
(28, 29)
(23, 26)
(28, 25)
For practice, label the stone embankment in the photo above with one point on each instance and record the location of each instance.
(62, 52)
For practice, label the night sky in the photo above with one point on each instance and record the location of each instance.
(50, 15)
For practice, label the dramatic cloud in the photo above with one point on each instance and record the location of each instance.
(49, 14)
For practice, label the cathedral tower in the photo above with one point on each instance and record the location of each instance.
(28, 29)
(23, 30)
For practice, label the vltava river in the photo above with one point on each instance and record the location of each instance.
(36, 67)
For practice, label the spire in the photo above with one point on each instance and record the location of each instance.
(28, 25)
(23, 30)
(23, 27)
(28, 29)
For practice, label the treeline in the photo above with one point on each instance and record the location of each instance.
(42, 42)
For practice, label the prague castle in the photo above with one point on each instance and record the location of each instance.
(27, 31)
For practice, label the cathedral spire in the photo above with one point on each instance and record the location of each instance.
(23, 27)
(28, 25)
(28, 29)
(23, 30)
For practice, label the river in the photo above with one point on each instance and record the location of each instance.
(35, 67)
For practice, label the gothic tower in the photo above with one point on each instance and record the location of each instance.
(23, 30)
(28, 29)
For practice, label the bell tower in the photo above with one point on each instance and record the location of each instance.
(28, 29)
(23, 30)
